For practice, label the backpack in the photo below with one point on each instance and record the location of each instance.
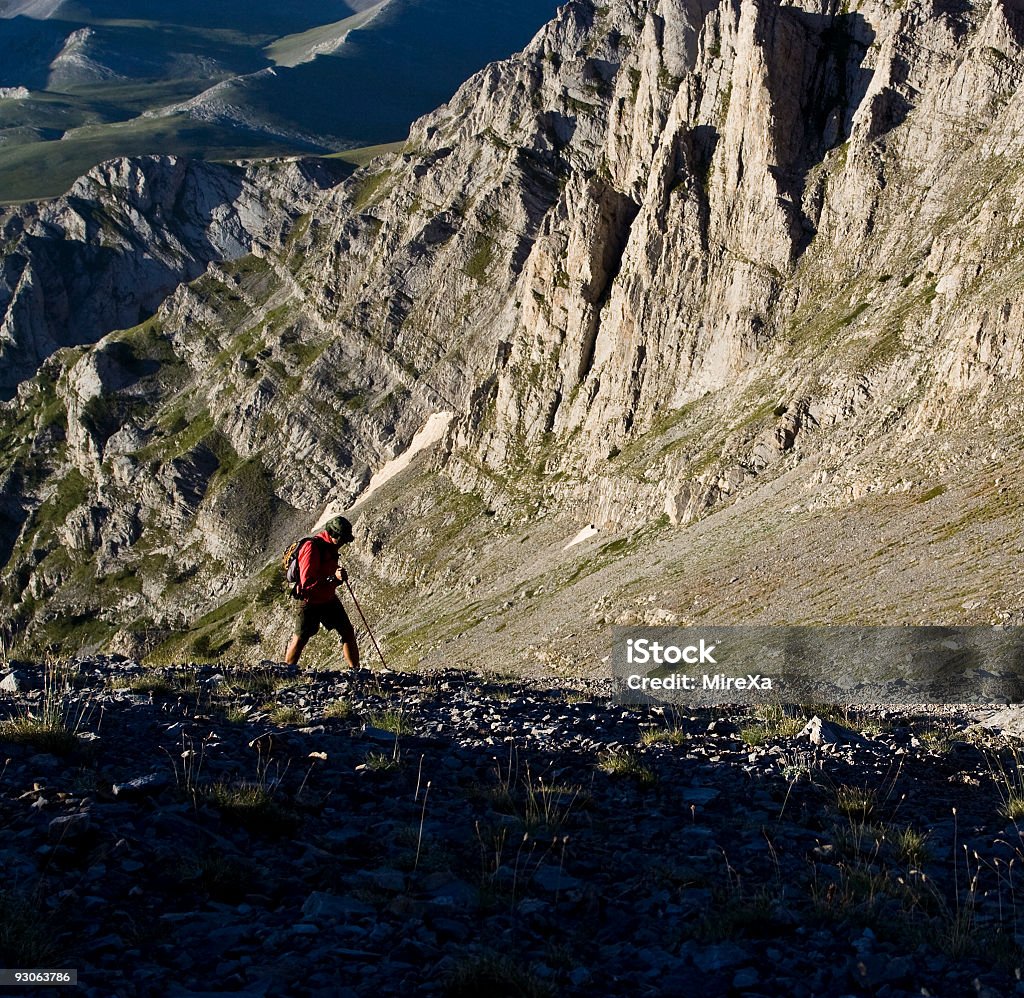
(290, 564)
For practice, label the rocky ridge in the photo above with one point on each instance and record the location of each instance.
(104, 256)
(701, 275)
(251, 832)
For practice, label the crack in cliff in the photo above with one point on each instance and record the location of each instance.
(618, 212)
(818, 116)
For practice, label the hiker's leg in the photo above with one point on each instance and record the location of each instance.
(295, 646)
(349, 648)
(307, 623)
(337, 620)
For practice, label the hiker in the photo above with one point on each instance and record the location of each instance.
(319, 577)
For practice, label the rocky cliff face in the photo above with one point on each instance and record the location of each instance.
(106, 255)
(671, 256)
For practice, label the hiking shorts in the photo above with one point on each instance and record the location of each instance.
(331, 615)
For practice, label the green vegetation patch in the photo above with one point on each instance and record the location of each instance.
(367, 189)
(207, 639)
(80, 631)
(179, 431)
(28, 935)
(395, 721)
(931, 493)
(151, 682)
(380, 762)
(483, 255)
(885, 349)
(142, 345)
(664, 736)
(72, 491)
(103, 415)
(251, 806)
(295, 49)
(248, 270)
(220, 876)
(857, 803)
(37, 410)
(339, 710)
(288, 715)
(771, 721)
(625, 763)
(43, 734)
(363, 155)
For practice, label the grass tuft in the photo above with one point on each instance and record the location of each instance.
(250, 805)
(258, 681)
(152, 683)
(771, 722)
(380, 762)
(857, 803)
(540, 806)
(340, 710)
(52, 724)
(626, 763)
(288, 715)
(27, 935)
(394, 721)
(753, 735)
(663, 736)
(1008, 776)
(40, 733)
(1013, 807)
(494, 974)
(221, 877)
(910, 845)
(732, 915)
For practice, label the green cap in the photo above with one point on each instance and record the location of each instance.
(340, 529)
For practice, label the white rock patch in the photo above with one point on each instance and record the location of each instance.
(587, 532)
(428, 435)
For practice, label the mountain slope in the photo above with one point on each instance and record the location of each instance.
(737, 285)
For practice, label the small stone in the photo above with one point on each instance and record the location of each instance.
(745, 978)
(722, 727)
(68, 826)
(320, 905)
(13, 682)
(142, 785)
(379, 735)
(43, 761)
(454, 893)
(700, 795)
(721, 957)
(821, 732)
(388, 880)
(448, 928)
(552, 879)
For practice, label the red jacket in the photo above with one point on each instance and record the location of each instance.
(318, 563)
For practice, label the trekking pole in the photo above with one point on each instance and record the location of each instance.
(365, 624)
